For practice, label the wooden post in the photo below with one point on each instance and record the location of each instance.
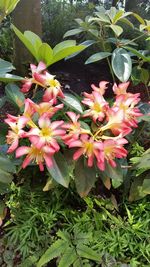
(26, 16)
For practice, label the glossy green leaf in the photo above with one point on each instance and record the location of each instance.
(65, 52)
(14, 95)
(45, 54)
(117, 16)
(139, 18)
(98, 56)
(28, 44)
(85, 177)
(116, 29)
(62, 45)
(121, 64)
(9, 78)
(34, 39)
(5, 177)
(112, 13)
(102, 17)
(60, 170)
(6, 164)
(126, 21)
(137, 53)
(5, 66)
(72, 102)
(73, 32)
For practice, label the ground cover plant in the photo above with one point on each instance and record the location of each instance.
(74, 169)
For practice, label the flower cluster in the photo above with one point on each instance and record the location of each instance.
(39, 136)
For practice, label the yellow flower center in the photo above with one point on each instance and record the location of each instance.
(46, 132)
(97, 107)
(54, 83)
(88, 148)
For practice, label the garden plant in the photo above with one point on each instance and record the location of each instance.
(74, 169)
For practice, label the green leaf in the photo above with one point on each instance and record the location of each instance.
(139, 18)
(2, 101)
(112, 13)
(34, 39)
(55, 250)
(101, 17)
(5, 66)
(73, 32)
(146, 186)
(6, 164)
(72, 102)
(144, 161)
(97, 57)
(87, 252)
(116, 29)
(7, 78)
(65, 52)
(60, 170)
(28, 44)
(45, 54)
(137, 53)
(117, 16)
(116, 174)
(121, 64)
(68, 258)
(85, 177)
(145, 76)
(5, 177)
(14, 95)
(126, 21)
(62, 45)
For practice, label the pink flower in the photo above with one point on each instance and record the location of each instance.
(73, 128)
(102, 87)
(47, 108)
(97, 106)
(116, 123)
(112, 149)
(127, 104)
(87, 147)
(27, 82)
(16, 124)
(40, 156)
(47, 133)
(121, 88)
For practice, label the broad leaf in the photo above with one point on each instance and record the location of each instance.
(116, 29)
(5, 177)
(121, 64)
(126, 21)
(85, 177)
(102, 17)
(6, 164)
(14, 95)
(73, 32)
(97, 57)
(117, 16)
(65, 52)
(8, 78)
(116, 174)
(62, 45)
(45, 54)
(139, 18)
(72, 102)
(5, 66)
(28, 44)
(137, 53)
(60, 170)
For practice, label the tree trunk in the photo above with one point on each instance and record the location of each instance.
(27, 16)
